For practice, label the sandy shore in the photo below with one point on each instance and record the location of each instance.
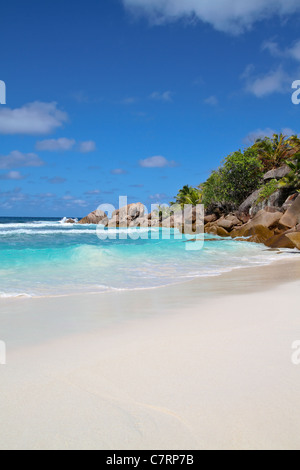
(204, 365)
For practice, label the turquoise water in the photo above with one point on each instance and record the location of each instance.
(45, 257)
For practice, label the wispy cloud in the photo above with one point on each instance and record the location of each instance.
(231, 16)
(275, 81)
(54, 180)
(12, 175)
(212, 101)
(165, 96)
(94, 192)
(87, 147)
(118, 171)
(291, 52)
(64, 144)
(129, 100)
(262, 133)
(18, 159)
(32, 119)
(158, 197)
(56, 145)
(157, 162)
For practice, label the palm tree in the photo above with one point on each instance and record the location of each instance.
(274, 152)
(188, 195)
(292, 180)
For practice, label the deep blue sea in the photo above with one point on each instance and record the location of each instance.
(43, 256)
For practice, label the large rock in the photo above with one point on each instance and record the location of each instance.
(130, 212)
(277, 173)
(243, 217)
(276, 200)
(104, 222)
(228, 222)
(222, 232)
(225, 224)
(211, 229)
(266, 218)
(255, 234)
(168, 222)
(113, 223)
(295, 238)
(246, 206)
(289, 201)
(279, 241)
(292, 216)
(210, 218)
(143, 222)
(93, 218)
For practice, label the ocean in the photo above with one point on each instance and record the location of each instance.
(44, 257)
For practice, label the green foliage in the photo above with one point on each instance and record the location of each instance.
(273, 152)
(292, 180)
(163, 212)
(267, 190)
(239, 176)
(188, 195)
(212, 189)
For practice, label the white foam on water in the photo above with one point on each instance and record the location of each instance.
(5, 295)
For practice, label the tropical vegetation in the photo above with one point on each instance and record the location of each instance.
(241, 173)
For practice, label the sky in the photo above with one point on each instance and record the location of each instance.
(136, 97)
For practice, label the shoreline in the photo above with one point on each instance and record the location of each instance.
(112, 290)
(111, 309)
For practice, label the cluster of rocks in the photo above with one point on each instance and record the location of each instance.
(134, 215)
(275, 227)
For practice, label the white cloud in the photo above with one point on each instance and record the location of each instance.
(87, 147)
(46, 196)
(232, 16)
(156, 162)
(57, 180)
(32, 119)
(292, 52)
(80, 202)
(288, 131)
(92, 193)
(12, 175)
(158, 197)
(212, 101)
(118, 171)
(276, 81)
(268, 132)
(129, 100)
(166, 96)
(258, 134)
(55, 145)
(63, 144)
(17, 159)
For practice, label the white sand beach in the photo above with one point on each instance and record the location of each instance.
(201, 365)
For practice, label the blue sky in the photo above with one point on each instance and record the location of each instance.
(136, 97)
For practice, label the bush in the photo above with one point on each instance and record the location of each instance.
(240, 175)
(267, 190)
